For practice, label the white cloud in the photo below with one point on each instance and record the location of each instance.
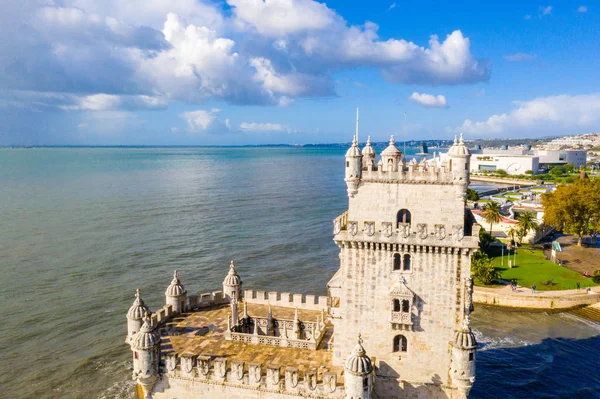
(391, 7)
(429, 100)
(199, 120)
(264, 127)
(542, 115)
(527, 16)
(116, 55)
(582, 9)
(278, 18)
(546, 10)
(517, 57)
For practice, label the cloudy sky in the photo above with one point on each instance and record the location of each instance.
(293, 71)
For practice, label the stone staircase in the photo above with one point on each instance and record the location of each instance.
(591, 312)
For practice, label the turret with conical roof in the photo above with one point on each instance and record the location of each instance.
(135, 315)
(232, 284)
(353, 167)
(391, 157)
(463, 359)
(176, 295)
(358, 373)
(460, 159)
(145, 345)
(369, 155)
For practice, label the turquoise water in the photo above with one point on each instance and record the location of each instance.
(82, 228)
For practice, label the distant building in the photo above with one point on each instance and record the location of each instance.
(549, 158)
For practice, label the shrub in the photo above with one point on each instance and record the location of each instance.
(529, 172)
(482, 269)
(501, 172)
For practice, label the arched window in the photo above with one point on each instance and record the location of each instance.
(400, 343)
(403, 216)
(396, 261)
(405, 306)
(406, 263)
(396, 305)
(347, 164)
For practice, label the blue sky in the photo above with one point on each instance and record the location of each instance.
(154, 72)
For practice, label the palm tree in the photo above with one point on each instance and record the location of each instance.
(491, 213)
(527, 222)
(512, 232)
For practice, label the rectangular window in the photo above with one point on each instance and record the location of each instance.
(471, 356)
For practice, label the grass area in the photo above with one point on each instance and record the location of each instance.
(532, 268)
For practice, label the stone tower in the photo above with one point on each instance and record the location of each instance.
(232, 284)
(405, 257)
(358, 373)
(145, 345)
(176, 295)
(135, 315)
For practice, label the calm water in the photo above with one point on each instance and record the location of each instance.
(82, 228)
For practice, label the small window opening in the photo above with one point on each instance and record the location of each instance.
(405, 306)
(396, 305)
(396, 261)
(406, 263)
(400, 343)
(403, 216)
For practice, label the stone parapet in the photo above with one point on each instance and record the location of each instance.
(201, 369)
(285, 299)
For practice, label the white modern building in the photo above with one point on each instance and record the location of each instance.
(512, 164)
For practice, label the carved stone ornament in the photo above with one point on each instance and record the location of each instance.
(369, 228)
(291, 377)
(422, 230)
(353, 228)
(311, 380)
(330, 381)
(440, 231)
(171, 362)
(187, 364)
(337, 226)
(273, 375)
(255, 372)
(238, 370)
(220, 368)
(458, 231)
(203, 366)
(469, 296)
(386, 228)
(405, 230)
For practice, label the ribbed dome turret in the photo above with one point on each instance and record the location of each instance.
(176, 288)
(464, 338)
(391, 149)
(358, 362)
(147, 338)
(459, 149)
(354, 151)
(368, 151)
(138, 309)
(232, 277)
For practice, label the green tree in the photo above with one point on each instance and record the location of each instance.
(573, 208)
(558, 170)
(512, 232)
(485, 239)
(501, 172)
(482, 269)
(527, 222)
(569, 168)
(491, 213)
(529, 172)
(472, 195)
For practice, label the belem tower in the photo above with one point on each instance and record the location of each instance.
(394, 324)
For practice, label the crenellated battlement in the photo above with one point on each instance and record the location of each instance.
(206, 369)
(285, 299)
(411, 173)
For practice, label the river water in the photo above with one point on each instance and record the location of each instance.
(82, 228)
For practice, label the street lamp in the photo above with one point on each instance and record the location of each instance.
(517, 166)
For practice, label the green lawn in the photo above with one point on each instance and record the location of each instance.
(532, 268)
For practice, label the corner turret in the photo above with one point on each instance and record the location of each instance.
(353, 167)
(176, 295)
(358, 373)
(391, 157)
(135, 315)
(463, 359)
(460, 159)
(369, 155)
(145, 345)
(232, 284)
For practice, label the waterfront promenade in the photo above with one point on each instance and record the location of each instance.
(524, 298)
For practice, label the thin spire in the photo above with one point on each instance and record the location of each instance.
(357, 124)
(462, 142)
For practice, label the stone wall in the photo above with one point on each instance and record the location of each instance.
(539, 301)
(285, 299)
